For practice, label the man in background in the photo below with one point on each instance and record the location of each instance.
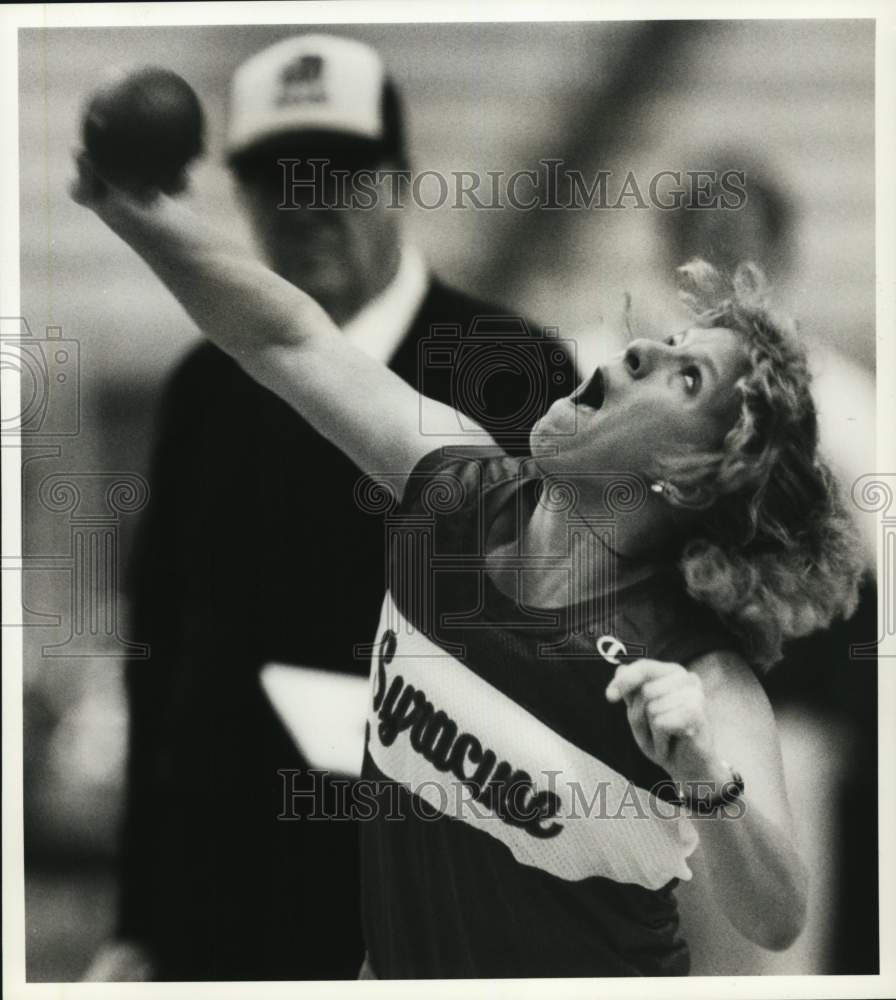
(213, 886)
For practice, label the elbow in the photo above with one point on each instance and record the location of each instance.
(781, 924)
(783, 932)
(776, 931)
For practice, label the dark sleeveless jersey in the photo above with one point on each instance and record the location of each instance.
(513, 827)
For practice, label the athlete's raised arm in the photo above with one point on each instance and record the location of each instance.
(277, 333)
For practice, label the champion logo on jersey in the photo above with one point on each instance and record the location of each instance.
(611, 648)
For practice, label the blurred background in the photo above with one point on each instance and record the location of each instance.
(791, 103)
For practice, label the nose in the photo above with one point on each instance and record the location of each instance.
(641, 357)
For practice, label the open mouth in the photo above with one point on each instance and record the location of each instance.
(592, 392)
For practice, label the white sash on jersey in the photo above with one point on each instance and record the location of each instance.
(601, 824)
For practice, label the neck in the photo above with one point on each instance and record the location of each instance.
(601, 551)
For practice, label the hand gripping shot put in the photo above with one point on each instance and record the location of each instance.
(143, 128)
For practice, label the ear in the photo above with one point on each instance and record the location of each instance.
(692, 498)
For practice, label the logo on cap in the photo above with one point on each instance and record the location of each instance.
(301, 82)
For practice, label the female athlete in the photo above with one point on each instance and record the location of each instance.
(564, 688)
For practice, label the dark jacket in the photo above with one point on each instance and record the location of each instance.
(254, 549)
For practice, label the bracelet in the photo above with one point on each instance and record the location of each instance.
(730, 792)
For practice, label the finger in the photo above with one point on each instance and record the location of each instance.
(87, 187)
(672, 716)
(96, 191)
(684, 696)
(637, 719)
(680, 721)
(670, 682)
(659, 706)
(630, 676)
(661, 741)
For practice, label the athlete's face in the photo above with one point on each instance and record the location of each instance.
(655, 400)
(341, 255)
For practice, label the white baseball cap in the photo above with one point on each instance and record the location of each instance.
(309, 83)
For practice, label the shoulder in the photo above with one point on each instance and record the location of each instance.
(471, 469)
(459, 489)
(451, 498)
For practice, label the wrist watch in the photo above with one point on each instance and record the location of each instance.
(729, 791)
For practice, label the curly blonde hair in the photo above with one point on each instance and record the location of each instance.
(777, 555)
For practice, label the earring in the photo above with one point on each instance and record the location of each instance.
(695, 499)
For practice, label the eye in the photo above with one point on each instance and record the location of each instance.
(691, 379)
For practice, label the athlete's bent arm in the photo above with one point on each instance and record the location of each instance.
(278, 334)
(695, 723)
